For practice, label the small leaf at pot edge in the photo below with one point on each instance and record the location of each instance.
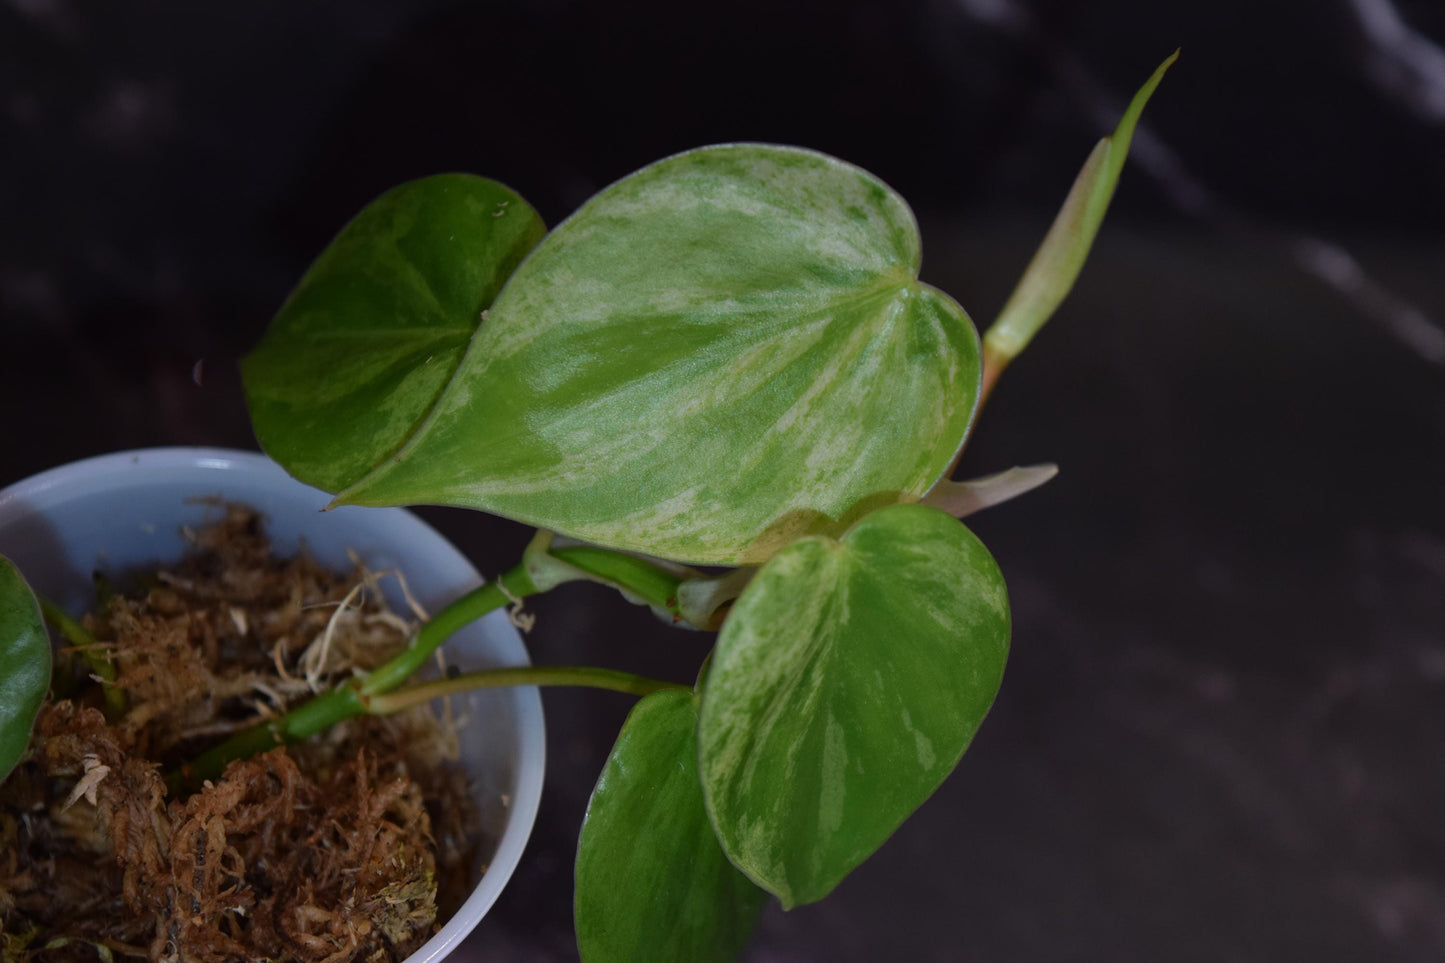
(24, 664)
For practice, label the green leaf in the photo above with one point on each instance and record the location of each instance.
(1056, 264)
(652, 883)
(847, 682)
(24, 664)
(721, 352)
(359, 352)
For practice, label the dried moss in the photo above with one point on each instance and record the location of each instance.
(327, 852)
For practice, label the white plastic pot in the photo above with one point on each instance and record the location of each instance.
(123, 511)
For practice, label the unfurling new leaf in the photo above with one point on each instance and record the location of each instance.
(1060, 258)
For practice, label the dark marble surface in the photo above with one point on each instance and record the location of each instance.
(1220, 735)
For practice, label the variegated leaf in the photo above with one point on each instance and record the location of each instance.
(846, 684)
(652, 883)
(376, 328)
(719, 353)
(24, 664)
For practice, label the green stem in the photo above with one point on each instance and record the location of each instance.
(547, 675)
(85, 643)
(305, 720)
(352, 698)
(349, 699)
(637, 576)
(514, 584)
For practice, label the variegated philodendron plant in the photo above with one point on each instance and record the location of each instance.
(726, 358)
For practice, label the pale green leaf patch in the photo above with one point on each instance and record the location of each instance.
(848, 680)
(1056, 264)
(24, 664)
(652, 883)
(719, 353)
(362, 348)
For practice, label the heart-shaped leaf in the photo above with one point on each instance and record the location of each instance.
(652, 883)
(376, 328)
(721, 352)
(848, 680)
(24, 664)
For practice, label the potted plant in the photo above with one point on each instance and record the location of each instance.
(725, 359)
(128, 512)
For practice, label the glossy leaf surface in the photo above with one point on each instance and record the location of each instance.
(24, 664)
(376, 328)
(723, 351)
(846, 683)
(652, 883)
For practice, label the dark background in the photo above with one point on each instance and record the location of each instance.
(1220, 737)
